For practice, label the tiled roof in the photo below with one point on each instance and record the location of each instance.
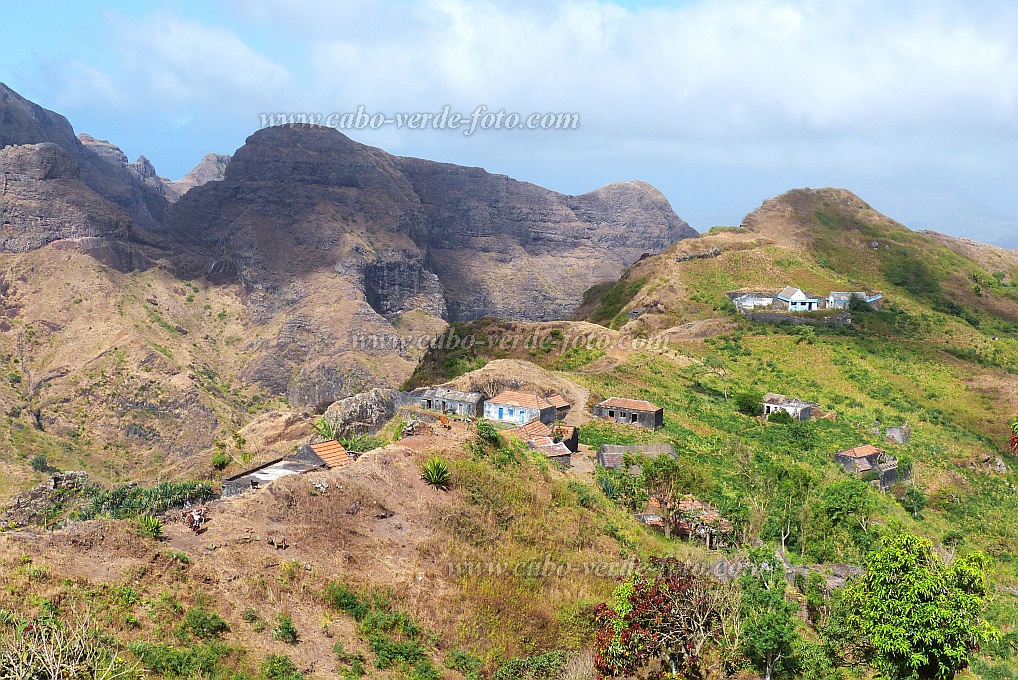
(535, 428)
(511, 398)
(629, 404)
(333, 453)
(860, 451)
(558, 401)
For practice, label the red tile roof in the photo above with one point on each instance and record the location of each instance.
(860, 451)
(511, 398)
(535, 428)
(629, 404)
(333, 453)
(558, 401)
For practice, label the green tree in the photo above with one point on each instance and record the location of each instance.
(769, 633)
(662, 477)
(714, 365)
(749, 401)
(922, 618)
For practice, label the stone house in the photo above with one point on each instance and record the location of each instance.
(842, 300)
(797, 300)
(445, 400)
(556, 452)
(797, 408)
(610, 455)
(869, 459)
(561, 405)
(630, 412)
(519, 408)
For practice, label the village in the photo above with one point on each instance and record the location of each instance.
(548, 425)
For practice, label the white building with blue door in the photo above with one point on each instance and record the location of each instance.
(519, 408)
(797, 300)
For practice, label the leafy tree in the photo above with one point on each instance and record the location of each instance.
(714, 365)
(662, 477)
(670, 617)
(769, 633)
(748, 401)
(922, 618)
(914, 500)
(849, 503)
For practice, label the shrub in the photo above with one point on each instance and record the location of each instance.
(150, 526)
(365, 442)
(195, 661)
(279, 667)
(285, 631)
(40, 464)
(749, 402)
(436, 473)
(780, 417)
(345, 600)
(47, 649)
(221, 459)
(203, 624)
(488, 432)
(391, 653)
(324, 428)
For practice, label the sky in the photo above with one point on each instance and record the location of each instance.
(720, 104)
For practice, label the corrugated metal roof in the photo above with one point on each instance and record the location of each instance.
(447, 393)
(629, 404)
(333, 453)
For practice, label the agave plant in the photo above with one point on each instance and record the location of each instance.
(436, 473)
(150, 526)
(610, 487)
(324, 428)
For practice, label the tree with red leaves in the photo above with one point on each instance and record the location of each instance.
(664, 622)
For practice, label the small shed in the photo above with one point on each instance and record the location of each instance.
(610, 455)
(797, 408)
(556, 452)
(329, 453)
(561, 405)
(519, 407)
(630, 412)
(445, 400)
(797, 300)
(265, 474)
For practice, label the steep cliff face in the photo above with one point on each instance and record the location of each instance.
(22, 122)
(419, 234)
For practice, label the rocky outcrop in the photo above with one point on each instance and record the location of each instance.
(362, 413)
(43, 199)
(211, 168)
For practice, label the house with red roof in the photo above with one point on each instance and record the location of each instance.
(631, 412)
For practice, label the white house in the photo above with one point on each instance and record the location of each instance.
(519, 408)
(797, 408)
(798, 301)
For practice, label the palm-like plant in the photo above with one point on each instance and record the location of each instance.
(325, 429)
(436, 473)
(150, 526)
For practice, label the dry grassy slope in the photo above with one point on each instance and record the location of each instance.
(817, 240)
(377, 526)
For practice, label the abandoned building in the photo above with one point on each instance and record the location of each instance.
(445, 400)
(842, 300)
(566, 434)
(610, 455)
(868, 460)
(797, 408)
(797, 300)
(264, 474)
(556, 452)
(631, 412)
(747, 302)
(519, 407)
(899, 434)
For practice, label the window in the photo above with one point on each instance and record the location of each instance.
(510, 413)
(634, 418)
(611, 414)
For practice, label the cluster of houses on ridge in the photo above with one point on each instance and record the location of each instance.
(793, 299)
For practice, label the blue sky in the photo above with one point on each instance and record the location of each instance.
(722, 104)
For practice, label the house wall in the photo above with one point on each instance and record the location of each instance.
(651, 420)
(462, 408)
(511, 414)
